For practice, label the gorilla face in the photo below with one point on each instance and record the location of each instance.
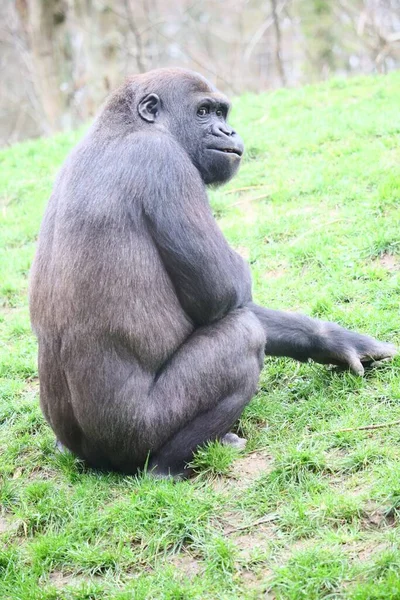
(196, 114)
(215, 148)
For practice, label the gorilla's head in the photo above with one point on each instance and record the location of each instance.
(187, 106)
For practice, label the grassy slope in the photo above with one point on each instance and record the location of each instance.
(322, 237)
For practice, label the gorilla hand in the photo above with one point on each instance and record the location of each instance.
(347, 349)
(302, 338)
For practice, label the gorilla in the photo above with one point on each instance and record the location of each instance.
(149, 341)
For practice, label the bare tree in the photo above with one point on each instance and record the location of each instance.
(59, 59)
(40, 20)
(278, 47)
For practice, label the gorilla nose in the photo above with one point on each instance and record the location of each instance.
(225, 139)
(221, 130)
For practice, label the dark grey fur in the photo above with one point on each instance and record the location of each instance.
(149, 343)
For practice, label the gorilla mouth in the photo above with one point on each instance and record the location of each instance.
(228, 151)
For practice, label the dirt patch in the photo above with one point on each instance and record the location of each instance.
(297, 546)
(342, 485)
(389, 262)
(6, 525)
(252, 552)
(274, 274)
(250, 467)
(255, 580)
(367, 552)
(363, 551)
(187, 564)
(247, 542)
(291, 548)
(40, 473)
(377, 517)
(252, 579)
(61, 580)
(243, 472)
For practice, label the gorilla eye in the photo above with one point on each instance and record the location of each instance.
(203, 111)
(219, 113)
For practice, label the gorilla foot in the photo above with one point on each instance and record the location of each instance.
(59, 447)
(154, 474)
(231, 439)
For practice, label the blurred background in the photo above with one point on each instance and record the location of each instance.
(60, 58)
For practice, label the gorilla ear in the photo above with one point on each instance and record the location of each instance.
(149, 107)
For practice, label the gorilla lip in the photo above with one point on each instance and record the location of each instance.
(235, 151)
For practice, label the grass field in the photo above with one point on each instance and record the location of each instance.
(308, 511)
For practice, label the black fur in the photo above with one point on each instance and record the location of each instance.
(149, 343)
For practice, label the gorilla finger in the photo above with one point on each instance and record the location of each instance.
(381, 351)
(371, 364)
(387, 351)
(355, 364)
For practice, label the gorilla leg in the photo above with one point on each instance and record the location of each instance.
(130, 413)
(213, 424)
(225, 374)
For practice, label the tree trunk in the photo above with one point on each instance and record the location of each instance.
(40, 18)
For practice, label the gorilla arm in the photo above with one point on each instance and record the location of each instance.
(300, 337)
(210, 278)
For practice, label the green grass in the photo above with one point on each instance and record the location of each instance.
(315, 512)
